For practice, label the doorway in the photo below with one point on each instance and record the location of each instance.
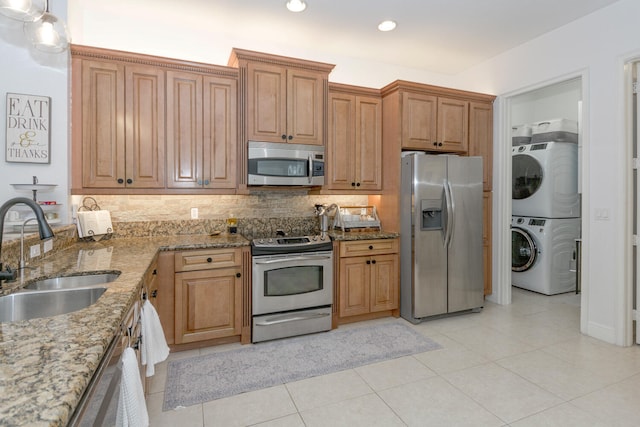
(559, 99)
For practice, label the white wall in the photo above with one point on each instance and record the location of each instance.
(27, 71)
(596, 48)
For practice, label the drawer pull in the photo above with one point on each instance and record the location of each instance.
(370, 246)
(154, 293)
(238, 275)
(209, 259)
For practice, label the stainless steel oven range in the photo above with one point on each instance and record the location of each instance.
(292, 286)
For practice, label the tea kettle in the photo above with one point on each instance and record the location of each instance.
(322, 212)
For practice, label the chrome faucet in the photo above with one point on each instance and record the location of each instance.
(43, 228)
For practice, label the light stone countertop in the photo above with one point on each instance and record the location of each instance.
(45, 364)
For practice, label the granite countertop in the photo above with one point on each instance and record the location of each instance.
(45, 364)
(362, 235)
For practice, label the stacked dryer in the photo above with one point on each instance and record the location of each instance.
(545, 206)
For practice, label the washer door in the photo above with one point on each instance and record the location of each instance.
(523, 250)
(526, 177)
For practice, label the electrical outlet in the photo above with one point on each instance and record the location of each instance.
(194, 213)
(34, 251)
(48, 245)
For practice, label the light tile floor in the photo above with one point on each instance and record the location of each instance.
(521, 365)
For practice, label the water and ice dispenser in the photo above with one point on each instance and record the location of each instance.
(431, 214)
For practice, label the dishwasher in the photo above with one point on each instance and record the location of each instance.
(99, 403)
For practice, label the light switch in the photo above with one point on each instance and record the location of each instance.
(194, 213)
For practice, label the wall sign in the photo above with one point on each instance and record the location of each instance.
(28, 126)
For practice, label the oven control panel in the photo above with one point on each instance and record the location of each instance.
(291, 244)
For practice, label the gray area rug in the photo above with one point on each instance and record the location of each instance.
(213, 376)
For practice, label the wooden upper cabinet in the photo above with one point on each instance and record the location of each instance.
(481, 138)
(285, 105)
(201, 128)
(434, 123)
(142, 124)
(122, 122)
(354, 145)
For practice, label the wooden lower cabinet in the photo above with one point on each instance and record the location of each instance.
(368, 278)
(202, 295)
(208, 304)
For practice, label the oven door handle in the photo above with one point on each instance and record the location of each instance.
(293, 318)
(290, 259)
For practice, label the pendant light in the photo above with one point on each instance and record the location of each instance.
(47, 34)
(23, 10)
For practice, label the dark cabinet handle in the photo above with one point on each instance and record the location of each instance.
(129, 181)
(209, 259)
(358, 184)
(353, 184)
(154, 272)
(435, 143)
(206, 182)
(370, 247)
(290, 137)
(373, 262)
(154, 293)
(368, 262)
(284, 136)
(439, 144)
(238, 275)
(120, 181)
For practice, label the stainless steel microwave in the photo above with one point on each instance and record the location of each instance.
(285, 164)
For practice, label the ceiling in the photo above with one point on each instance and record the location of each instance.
(444, 36)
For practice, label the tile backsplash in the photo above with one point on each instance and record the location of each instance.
(260, 204)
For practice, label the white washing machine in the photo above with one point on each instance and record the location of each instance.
(545, 180)
(543, 254)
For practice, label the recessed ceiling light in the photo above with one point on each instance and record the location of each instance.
(296, 5)
(387, 25)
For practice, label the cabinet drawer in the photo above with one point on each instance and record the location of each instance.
(207, 259)
(368, 247)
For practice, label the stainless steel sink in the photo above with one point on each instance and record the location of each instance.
(31, 305)
(73, 282)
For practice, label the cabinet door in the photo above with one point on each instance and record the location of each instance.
(384, 282)
(481, 138)
(184, 130)
(341, 142)
(145, 140)
(355, 279)
(220, 132)
(453, 122)
(305, 112)
(419, 115)
(266, 102)
(208, 304)
(368, 147)
(103, 135)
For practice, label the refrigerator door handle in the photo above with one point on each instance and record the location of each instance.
(448, 197)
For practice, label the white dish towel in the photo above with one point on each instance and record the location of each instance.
(132, 409)
(154, 345)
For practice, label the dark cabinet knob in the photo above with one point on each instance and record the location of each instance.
(373, 262)
(129, 181)
(290, 137)
(206, 182)
(353, 184)
(284, 137)
(358, 184)
(209, 259)
(439, 144)
(435, 143)
(154, 293)
(368, 262)
(120, 181)
(238, 275)
(370, 246)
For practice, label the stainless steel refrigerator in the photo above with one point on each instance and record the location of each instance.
(441, 260)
